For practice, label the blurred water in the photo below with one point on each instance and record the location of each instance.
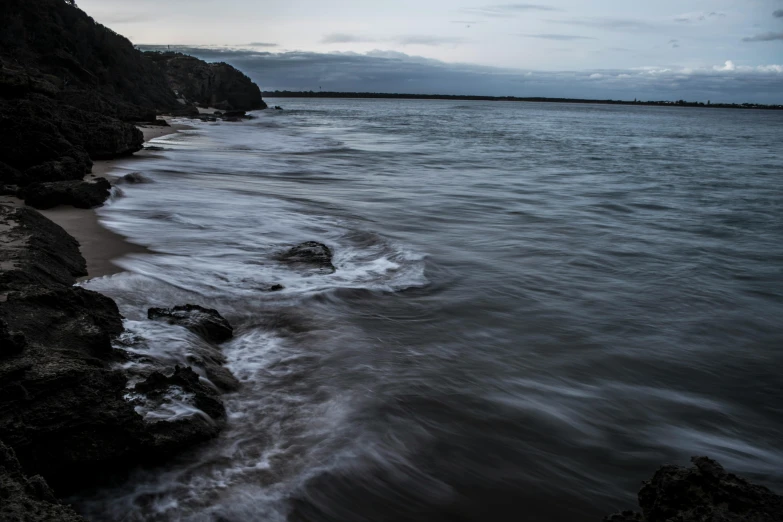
(535, 306)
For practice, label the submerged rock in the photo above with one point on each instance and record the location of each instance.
(206, 322)
(310, 253)
(702, 493)
(28, 499)
(80, 194)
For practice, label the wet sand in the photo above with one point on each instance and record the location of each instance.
(100, 246)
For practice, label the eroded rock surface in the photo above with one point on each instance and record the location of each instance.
(63, 399)
(704, 492)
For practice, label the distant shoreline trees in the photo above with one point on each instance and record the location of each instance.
(400, 96)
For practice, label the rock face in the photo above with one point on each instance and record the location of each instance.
(311, 254)
(28, 499)
(216, 85)
(80, 194)
(53, 48)
(702, 493)
(35, 251)
(206, 322)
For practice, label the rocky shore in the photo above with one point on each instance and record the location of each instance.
(73, 93)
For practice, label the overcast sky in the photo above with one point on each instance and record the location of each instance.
(726, 49)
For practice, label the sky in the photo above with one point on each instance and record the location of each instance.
(723, 50)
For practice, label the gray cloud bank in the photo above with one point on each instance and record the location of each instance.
(393, 72)
(764, 37)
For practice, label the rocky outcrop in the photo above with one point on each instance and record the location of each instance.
(703, 493)
(45, 142)
(206, 322)
(80, 194)
(64, 403)
(28, 499)
(35, 251)
(310, 254)
(216, 85)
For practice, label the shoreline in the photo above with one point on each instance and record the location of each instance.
(100, 246)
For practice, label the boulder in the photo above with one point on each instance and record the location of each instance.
(206, 322)
(703, 493)
(28, 499)
(36, 251)
(80, 194)
(311, 254)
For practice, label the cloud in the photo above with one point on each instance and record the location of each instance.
(429, 40)
(728, 66)
(698, 17)
(261, 44)
(674, 43)
(561, 37)
(609, 24)
(505, 10)
(764, 37)
(778, 13)
(391, 71)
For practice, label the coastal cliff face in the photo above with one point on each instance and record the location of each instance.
(208, 84)
(69, 88)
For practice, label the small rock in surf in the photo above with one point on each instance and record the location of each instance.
(206, 322)
(310, 253)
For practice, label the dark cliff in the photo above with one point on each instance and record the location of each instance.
(66, 54)
(68, 85)
(208, 84)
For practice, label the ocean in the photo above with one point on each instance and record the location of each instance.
(535, 306)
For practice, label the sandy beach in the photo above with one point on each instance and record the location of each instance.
(100, 246)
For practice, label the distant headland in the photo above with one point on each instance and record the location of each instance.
(400, 96)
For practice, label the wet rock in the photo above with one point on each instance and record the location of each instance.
(703, 493)
(185, 111)
(310, 253)
(80, 194)
(234, 114)
(28, 499)
(206, 322)
(205, 399)
(36, 251)
(134, 178)
(276, 288)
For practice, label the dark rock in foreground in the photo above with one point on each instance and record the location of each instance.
(36, 251)
(28, 499)
(64, 405)
(310, 253)
(702, 493)
(206, 322)
(80, 194)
